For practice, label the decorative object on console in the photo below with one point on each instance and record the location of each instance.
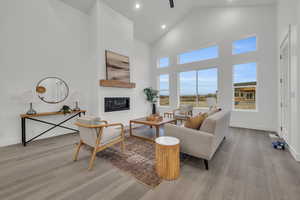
(75, 97)
(31, 111)
(52, 90)
(26, 97)
(117, 71)
(152, 96)
(65, 109)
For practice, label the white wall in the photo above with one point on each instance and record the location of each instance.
(288, 15)
(221, 26)
(116, 34)
(41, 38)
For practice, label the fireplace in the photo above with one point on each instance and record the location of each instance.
(112, 104)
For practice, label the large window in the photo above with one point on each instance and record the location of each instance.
(163, 62)
(196, 86)
(244, 84)
(199, 55)
(164, 90)
(244, 45)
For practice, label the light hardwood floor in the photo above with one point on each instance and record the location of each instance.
(244, 168)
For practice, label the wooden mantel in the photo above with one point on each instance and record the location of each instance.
(117, 84)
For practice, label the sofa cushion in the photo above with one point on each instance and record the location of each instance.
(195, 122)
(213, 111)
(209, 124)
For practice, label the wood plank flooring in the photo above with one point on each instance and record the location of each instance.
(244, 168)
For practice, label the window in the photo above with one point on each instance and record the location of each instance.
(196, 86)
(164, 91)
(244, 85)
(188, 88)
(244, 45)
(163, 62)
(199, 55)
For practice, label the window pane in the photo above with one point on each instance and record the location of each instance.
(164, 82)
(245, 83)
(244, 46)
(207, 85)
(164, 98)
(199, 55)
(164, 62)
(188, 93)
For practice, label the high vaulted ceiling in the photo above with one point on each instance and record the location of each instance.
(154, 13)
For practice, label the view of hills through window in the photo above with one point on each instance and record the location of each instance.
(164, 93)
(196, 86)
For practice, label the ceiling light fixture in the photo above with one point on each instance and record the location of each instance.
(163, 26)
(137, 6)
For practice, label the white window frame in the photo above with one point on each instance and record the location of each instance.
(159, 90)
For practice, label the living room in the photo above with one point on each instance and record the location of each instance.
(237, 58)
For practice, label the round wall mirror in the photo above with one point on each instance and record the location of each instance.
(52, 90)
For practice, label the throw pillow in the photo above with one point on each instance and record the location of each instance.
(195, 122)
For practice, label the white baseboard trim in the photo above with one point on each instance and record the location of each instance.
(294, 153)
(252, 127)
(4, 143)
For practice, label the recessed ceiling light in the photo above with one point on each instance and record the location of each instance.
(137, 6)
(163, 26)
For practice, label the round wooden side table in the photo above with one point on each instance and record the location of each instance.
(167, 157)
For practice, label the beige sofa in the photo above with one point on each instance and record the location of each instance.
(202, 143)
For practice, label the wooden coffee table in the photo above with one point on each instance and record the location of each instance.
(155, 124)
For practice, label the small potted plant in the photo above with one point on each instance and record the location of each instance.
(152, 96)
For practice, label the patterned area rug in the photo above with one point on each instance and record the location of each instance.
(138, 160)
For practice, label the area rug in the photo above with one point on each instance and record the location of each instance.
(138, 160)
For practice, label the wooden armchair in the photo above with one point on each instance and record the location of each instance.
(99, 135)
(183, 112)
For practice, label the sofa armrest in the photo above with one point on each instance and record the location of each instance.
(193, 142)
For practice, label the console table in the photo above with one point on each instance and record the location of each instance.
(33, 118)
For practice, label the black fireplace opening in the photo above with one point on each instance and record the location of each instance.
(112, 104)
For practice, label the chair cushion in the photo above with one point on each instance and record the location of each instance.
(89, 120)
(110, 134)
(195, 122)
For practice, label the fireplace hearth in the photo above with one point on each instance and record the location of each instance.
(113, 104)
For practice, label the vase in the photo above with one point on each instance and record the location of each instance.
(31, 111)
(153, 108)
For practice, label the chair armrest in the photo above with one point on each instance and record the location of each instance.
(99, 125)
(103, 121)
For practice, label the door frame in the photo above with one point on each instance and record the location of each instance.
(285, 135)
